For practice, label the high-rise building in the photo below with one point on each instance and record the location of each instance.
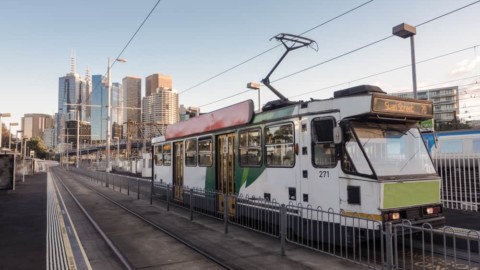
(33, 124)
(99, 102)
(158, 111)
(98, 120)
(132, 102)
(156, 82)
(73, 92)
(117, 108)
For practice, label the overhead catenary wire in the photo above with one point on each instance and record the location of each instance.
(272, 48)
(128, 43)
(370, 44)
(385, 71)
(355, 50)
(364, 77)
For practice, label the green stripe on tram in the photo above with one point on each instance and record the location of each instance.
(396, 195)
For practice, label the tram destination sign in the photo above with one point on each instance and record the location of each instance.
(394, 106)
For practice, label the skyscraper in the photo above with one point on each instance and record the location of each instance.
(72, 100)
(98, 110)
(117, 109)
(33, 124)
(157, 81)
(158, 111)
(132, 91)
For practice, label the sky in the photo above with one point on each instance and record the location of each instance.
(195, 40)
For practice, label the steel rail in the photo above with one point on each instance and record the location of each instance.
(107, 240)
(162, 229)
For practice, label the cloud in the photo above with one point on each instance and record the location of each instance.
(465, 66)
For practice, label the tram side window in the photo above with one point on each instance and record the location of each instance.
(250, 147)
(279, 145)
(323, 152)
(167, 154)
(158, 155)
(205, 152)
(191, 152)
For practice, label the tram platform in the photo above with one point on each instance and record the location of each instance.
(24, 233)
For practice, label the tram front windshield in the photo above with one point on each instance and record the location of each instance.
(393, 149)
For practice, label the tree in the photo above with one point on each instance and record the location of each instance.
(36, 144)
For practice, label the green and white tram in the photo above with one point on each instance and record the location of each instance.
(359, 153)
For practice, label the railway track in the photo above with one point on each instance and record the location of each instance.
(123, 256)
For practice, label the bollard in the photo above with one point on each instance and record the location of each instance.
(191, 204)
(128, 187)
(138, 189)
(121, 181)
(283, 228)
(107, 176)
(168, 198)
(225, 212)
(389, 245)
(113, 182)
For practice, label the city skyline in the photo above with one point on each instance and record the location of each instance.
(206, 39)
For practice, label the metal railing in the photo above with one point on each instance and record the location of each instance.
(358, 239)
(424, 247)
(460, 175)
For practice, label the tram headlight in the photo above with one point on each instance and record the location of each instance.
(392, 216)
(432, 210)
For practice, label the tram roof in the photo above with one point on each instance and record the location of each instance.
(371, 102)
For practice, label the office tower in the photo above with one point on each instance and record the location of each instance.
(132, 102)
(116, 109)
(156, 82)
(98, 101)
(33, 124)
(72, 100)
(158, 111)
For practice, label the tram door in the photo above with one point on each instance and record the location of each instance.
(178, 171)
(225, 172)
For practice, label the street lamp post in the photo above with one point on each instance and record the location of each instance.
(1, 126)
(255, 86)
(107, 147)
(404, 31)
(10, 135)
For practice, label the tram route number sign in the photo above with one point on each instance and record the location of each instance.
(7, 172)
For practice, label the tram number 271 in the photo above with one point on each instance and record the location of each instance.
(324, 174)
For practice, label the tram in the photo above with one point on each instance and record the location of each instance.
(359, 153)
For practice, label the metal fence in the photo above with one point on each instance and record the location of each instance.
(460, 180)
(362, 240)
(424, 247)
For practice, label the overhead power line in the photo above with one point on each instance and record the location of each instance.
(350, 52)
(385, 71)
(370, 44)
(272, 48)
(129, 41)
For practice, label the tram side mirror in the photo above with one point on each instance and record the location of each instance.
(337, 135)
